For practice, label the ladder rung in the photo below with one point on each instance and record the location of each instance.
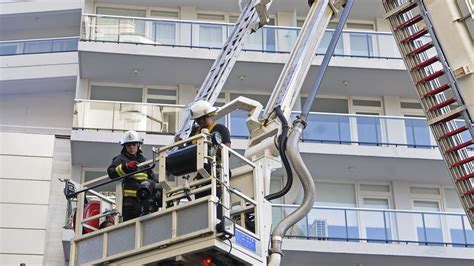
(421, 49)
(460, 146)
(410, 22)
(443, 104)
(459, 163)
(437, 90)
(415, 35)
(452, 133)
(426, 63)
(436, 74)
(469, 192)
(466, 177)
(405, 7)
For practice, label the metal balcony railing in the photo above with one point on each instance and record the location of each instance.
(346, 129)
(209, 35)
(380, 226)
(38, 46)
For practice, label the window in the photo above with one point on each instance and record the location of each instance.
(116, 93)
(328, 128)
(417, 132)
(162, 96)
(164, 32)
(336, 195)
(367, 128)
(374, 188)
(117, 29)
(360, 26)
(211, 35)
(428, 226)
(425, 190)
(377, 227)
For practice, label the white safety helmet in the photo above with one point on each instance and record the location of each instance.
(202, 108)
(130, 136)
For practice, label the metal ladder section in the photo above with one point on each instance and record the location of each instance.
(438, 92)
(249, 20)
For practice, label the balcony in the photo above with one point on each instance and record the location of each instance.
(380, 226)
(192, 34)
(156, 51)
(39, 46)
(327, 128)
(340, 146)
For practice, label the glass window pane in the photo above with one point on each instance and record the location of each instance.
(110, 93)
(376, 188)
(65, 45)
(165, 14)
(425, 190)
(335, 195)
(121, 12)
(10, 48)
(238, 126)
(377, 223)
(361, 44)
(418, 133)
(38, 47)
(368, 130)
(324, 44)
(428, 225)
(327, 128)
(210, 36)
(164, 32)
(328, 105)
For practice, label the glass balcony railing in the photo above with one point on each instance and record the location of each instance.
(193, 34)
(39, 46)
(122, 116)
(346, 129)
(380, 226)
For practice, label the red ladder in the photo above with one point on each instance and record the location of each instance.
(437, 90)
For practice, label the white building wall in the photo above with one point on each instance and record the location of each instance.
(45, 109)
(25, 180)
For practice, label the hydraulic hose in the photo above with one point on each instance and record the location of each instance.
(282, 149)
(308, 189)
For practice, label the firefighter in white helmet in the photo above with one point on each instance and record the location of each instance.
(202, 113)
(127, 162)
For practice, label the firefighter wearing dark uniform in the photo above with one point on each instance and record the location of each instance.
(202, 113)
(124, 163)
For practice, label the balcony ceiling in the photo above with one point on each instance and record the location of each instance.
(362, 10)
(249, 75)
(37, 25)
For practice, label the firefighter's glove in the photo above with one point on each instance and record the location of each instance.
(131, 166)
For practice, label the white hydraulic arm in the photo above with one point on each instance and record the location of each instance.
(253, 16)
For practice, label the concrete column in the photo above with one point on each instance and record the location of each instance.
(404, 223)
(88, 7)
(394, 128)
(382, 25)
(82, 88)
(186, 93)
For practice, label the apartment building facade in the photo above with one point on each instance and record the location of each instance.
(76, 74)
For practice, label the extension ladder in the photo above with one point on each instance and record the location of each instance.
(438, 92)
